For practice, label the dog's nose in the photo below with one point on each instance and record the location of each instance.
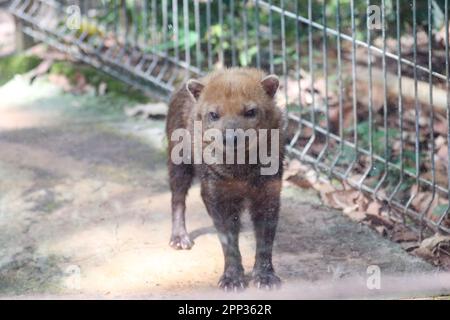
(230, 139)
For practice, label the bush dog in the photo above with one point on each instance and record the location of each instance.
(230, 99)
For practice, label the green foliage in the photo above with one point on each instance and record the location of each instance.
(16, 64)
(439, 211)
(95, 78)
(171, 44)
(379, 145)
(378, 168)
(378, 137)
(224, 37)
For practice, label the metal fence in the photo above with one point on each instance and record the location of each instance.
(366, 91)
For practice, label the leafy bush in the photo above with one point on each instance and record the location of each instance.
(17, 64)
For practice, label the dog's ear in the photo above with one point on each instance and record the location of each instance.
(195, 88)
(270, 84)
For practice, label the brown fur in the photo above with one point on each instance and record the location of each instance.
(228, 189)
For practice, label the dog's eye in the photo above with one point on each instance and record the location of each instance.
(250, 113)
(214, 116)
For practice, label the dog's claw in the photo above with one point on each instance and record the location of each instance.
(181, 242)
(267, 281)
(232, 283)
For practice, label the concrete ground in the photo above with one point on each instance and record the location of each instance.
(85, 213)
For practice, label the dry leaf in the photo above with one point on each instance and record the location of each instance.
(381, 230)
(401, 234)
(379, 220)
(435, 241)
(355, 214)
(409, 245)
(292, 169)
(149, 110)
(374, 208)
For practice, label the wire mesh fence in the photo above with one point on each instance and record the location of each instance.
(365, 84)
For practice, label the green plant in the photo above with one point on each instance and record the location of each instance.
(17, 64)
(95, 78)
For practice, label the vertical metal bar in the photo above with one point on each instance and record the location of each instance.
(370, 116)
(311, 71)
(325, 72)
(145, 21)
(116, 18)
(83, 7)
(155, 38)
(96, 44)
(258, 34)
(297, 76)
(187, 47)
(340, 85)
(165, 19)
(125, 21)
(115, 4)
(221, 53)
(431, 142)
(272, 71)
(198, 54)
(175, 30)
(283, 48)
(125, 25)
(447, 73)
(355, 113)
(165, 39)
(22, 40)
(233, 33)
(208, 27)
(385, 111)
(298, 68)
(400, 104)
(135, 15)
(417, 109)
(244, 22)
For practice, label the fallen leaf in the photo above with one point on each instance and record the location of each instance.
(402, 234)
(149, 110)
(433, 242)
(374, 208)
(379, 220)
(409, 245)
(293, 168)
(355, 214)
(381, 230)
(431, 249)
(300, 181)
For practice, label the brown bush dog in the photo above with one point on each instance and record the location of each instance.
(236, 98)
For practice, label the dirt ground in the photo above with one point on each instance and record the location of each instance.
(85, 213)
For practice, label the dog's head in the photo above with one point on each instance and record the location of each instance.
(236, 98)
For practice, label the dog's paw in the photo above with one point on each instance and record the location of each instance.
(181, 242)
(233, 282)
(266, 280)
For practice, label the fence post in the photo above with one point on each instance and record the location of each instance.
(23, 41)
